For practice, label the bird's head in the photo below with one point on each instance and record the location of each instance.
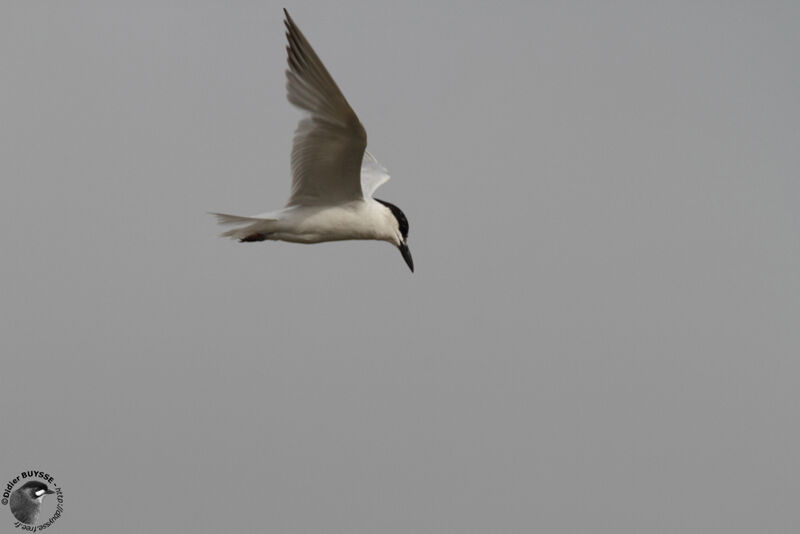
(35, 490)
(400, 239)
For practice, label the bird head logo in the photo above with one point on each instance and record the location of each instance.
(26, 501)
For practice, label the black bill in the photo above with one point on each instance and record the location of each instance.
(407, 256)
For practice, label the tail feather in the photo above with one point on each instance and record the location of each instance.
(258, 229)
(225, 218)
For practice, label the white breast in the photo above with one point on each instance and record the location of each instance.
(353, 220)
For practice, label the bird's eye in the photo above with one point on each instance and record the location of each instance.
(39, 492)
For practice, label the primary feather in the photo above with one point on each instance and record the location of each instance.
(328, 144)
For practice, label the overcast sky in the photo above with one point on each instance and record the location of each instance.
(601, 335)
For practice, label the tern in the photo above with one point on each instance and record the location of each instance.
(334, 177)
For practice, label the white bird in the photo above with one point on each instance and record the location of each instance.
(333, 175)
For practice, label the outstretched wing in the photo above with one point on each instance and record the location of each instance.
(328, 144)
(373, 174)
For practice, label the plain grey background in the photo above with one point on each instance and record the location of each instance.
(601, 335)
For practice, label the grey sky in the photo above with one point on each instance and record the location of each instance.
(601, 335)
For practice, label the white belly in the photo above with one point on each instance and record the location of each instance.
(355, 220)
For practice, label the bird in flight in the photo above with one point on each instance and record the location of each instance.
(333, 175)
